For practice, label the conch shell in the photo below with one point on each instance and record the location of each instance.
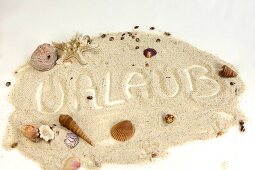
(123, 131)
(44, 57)
(46, 133)
(68, 122)
(227, 72)
(72, 163)
(30, 131)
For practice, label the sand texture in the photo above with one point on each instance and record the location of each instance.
(125, 85)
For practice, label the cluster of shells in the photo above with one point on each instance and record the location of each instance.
(34, 133)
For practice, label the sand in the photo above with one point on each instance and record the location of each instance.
(125, 85)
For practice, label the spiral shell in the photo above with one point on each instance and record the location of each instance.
(72, 163)
(71, 140)
(68, 122)
(227, 72)
(123, 131)
(46, 133)
(44, 57)
(30, 131)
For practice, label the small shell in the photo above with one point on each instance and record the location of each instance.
(30, 131)
(169, 118)
(227, 72)
(149, 52)
(44, 57)
(72, 163)
(123, 130)
(71, 140)
(46, 133)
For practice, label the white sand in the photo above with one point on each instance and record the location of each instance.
(180, 80)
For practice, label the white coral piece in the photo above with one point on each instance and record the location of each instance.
(46, 133)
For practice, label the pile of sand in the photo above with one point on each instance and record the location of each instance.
(125, 85)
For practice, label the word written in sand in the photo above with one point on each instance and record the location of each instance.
(132, 85)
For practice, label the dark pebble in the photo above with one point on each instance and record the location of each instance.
(123, 34)
(152, 28)
(133, 36)
(242, 129)
(71, 78)
(90, 97)
(14, 145)
(158, 40)
(8, 84)
(111, 39)
(167, 34)
(146, 65)
(122, 38)
(149, 52)
(137, 39)
(241, 122)
(232, 83)
(137, 47)
(136, 27)
(133, 65)
(103, 35)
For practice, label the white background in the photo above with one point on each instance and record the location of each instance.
(224, 28)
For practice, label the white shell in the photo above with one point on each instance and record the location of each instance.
(46, 133)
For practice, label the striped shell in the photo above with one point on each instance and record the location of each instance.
(123, 131)
(72, 163)
(71, 140)
(44, 57)
(227, 72)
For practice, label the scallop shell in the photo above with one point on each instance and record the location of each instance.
(46, 133)
(71, 140)
(123, 131)
(72, 163)
(30, 131)
(149, 52)
(68, 122)
(44, 57)
(227, 72)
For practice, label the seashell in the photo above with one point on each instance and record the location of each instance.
(72, 163)
(71, 140)
(227, 72)
(149, 52)
(123, 131)
(30, 131)
(169, 118)
(68, 122)
(44, 57)
(46, 133)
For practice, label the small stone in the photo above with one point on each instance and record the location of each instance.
(137, 47)
(158, 40)
(241, 122)
(169, 118)
(220, 133)
(133, 64)
(136, 27)
(103, 36)
(111, 38)
(152, 28)
(8, 84)
(146, 65)
(137, 39)
(133, 36)
(167, 34)
(242, 129)
(89, 97)
(71, 78)
(123, 34)
(122, 38)
(14, 145)
(232, 83)
(154, 154)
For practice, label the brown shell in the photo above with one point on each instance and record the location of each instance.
(68, 122)
(123, 131)
(149, 52)
(169, 118)
(30, 131)
(227, 72)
